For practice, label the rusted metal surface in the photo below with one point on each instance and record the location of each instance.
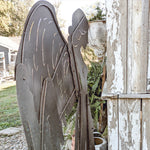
(50, 77)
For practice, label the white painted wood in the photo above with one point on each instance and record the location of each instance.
(126, 26)
(148, 72)
(112, 124)
(126, 96)
(116, 46)
(116, 64)
(145, 102)
(145, 124)
(129, 124)
(137, 46)
(129, 110)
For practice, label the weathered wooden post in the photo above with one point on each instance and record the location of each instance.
(127, 49)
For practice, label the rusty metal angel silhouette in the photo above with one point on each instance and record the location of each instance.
(50, 77)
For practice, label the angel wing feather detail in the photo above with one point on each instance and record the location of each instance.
(50, 77)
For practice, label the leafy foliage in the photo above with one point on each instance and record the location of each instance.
(94, 81)
(94, 89)
(13, 14)
(99, 15)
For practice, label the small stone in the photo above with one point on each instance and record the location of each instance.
(10, 131)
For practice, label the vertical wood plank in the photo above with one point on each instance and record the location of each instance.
(129, 124)
(148, 65)
(137, 46)
(112, 106)
(145, 41)
(146, 103)
(116, 25)
(116, 45)
(146, 125)
(129, 110)
(126, 66)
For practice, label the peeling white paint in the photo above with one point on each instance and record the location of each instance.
(129, 124)
(113, 124)
(135, 77)
(124, 119)
(112, 67)
(135, 124)
(148, 75)
(113, 139)
(144, 144)
(124, 129)
(118, 84)
(149, 58)
(116, 69)
(113, 25)
(112, 22)
(149, 65)
(137, 52)
(144, 135)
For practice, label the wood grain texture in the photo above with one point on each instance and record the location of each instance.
(146, 102)
(137, 46)
(125, 96)
(145, 124)
(129, 124)
(148, 65)
(116, 64)
(116, 45)
(127, 48)
(113, 126)
(136, 64)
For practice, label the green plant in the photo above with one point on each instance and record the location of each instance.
(94, 89)
(69, 127)
(12, 16)
(99, 15)
(9, 112)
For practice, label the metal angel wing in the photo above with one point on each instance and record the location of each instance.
(78, 34)
(50, 77)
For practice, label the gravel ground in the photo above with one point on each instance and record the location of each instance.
(17, 141)
(14, 142)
